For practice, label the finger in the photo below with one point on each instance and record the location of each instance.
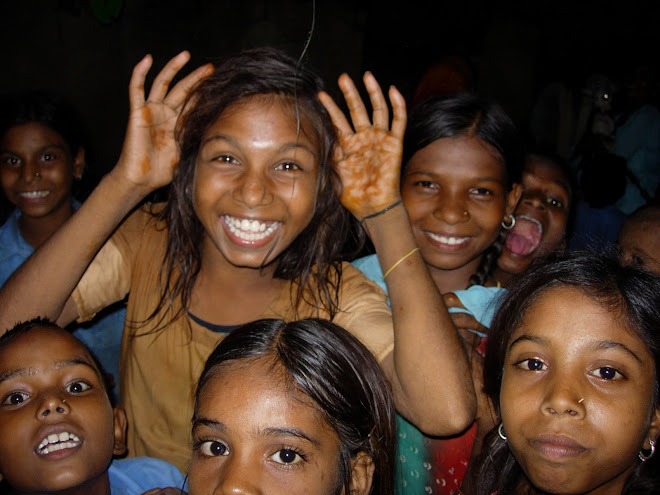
(381, 114)
(336, 115)
(355, 104)
(177, 96)
(136, 85)
(165, 76)
(399, 111)
(452, 301)
(465, 320)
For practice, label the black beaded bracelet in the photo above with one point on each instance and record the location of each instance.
(384, 210)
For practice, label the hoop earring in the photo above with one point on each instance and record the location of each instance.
(499, 432)
(645, 457)
(512, 222)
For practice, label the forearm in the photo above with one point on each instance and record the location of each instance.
(44, 283)
(431, 376)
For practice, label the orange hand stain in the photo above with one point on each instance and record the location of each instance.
(145, 166)
(147, 116)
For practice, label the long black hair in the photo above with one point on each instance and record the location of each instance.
(333, 369)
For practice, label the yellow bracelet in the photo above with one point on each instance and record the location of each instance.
(399, 262)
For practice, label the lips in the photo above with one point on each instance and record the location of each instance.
(54, 442)
(558, 446)
(34, 194)
(525, 236)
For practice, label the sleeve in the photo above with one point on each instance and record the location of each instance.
(364, 312)
(108, 277)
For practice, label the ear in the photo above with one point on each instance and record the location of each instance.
(362, 474)
(119, 430)
(654, 427)
(512, 198)
(79, 163)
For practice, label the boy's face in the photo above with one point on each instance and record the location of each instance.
(56, 421)
(640, 243)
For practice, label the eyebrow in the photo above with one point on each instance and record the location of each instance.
(43, 148)
(269, 432)
(58, 365)
(284, 148)
(480, 179)
(597, 345)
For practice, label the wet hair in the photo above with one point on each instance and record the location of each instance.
(48, 109)
(25, 327)
(313, 257)
(631, 295)
(332, 368)
(467, 115)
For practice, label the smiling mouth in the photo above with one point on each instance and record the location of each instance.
(448, 239)
(525, 236)
(34, 194)
(250, 230)
(58, 441)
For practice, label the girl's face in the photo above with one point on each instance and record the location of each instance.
(576, 395)
(541, 216)
(37, 170)
(254, 434)
(456, 196)
(256, 182)
(56, 422)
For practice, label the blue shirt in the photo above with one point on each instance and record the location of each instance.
(102, 335)
(137, 475)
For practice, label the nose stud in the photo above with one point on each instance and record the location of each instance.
(37, 174)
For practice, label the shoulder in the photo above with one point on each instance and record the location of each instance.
(370, 267)
(139, 474)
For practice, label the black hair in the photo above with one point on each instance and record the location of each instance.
(465, 114)
(25, 327)
(627, 291)
(313, 259)
(331, 367)
(45, 108)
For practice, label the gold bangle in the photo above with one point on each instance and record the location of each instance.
(399, 262)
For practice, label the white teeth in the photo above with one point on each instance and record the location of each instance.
(534, 221)
(35, 194)
(250, 230)
(449, 240)
(54, 442)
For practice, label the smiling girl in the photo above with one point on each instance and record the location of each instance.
(572, 368)
(253, 228)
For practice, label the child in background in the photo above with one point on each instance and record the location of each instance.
(41, 156)
(572, 369)
(639, 239)
(253, 228)
(292, 408)
(461, 164)
(542, 216)
(58, 427)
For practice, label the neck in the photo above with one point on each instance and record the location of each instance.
(37, 230)
(453, 280)
(97, 486)
(504, 278)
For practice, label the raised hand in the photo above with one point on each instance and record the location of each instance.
(368, 156)
(149, 155)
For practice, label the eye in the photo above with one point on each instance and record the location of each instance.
(226, 159)
(288, 166)
(481, 191)
(11, 162)
(532, 365)
(15, 398)
(77, 387)
(607, 373)
(213, 448)
(425, 184)
(637, 260)
(49, 157)
(287, 457)
(556, 203)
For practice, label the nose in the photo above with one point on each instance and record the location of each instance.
(52, 405)
(562, 397)
(534, 199)
(451, 209)
(29, 171)
(239, 477)
(253, 190)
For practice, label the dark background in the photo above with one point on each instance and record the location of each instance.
(85, 49)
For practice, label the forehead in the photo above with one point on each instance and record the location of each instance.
(253, 395)
(545, 171)
(460, 155)
(646, 231)
(40, 347)
(32, 134)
